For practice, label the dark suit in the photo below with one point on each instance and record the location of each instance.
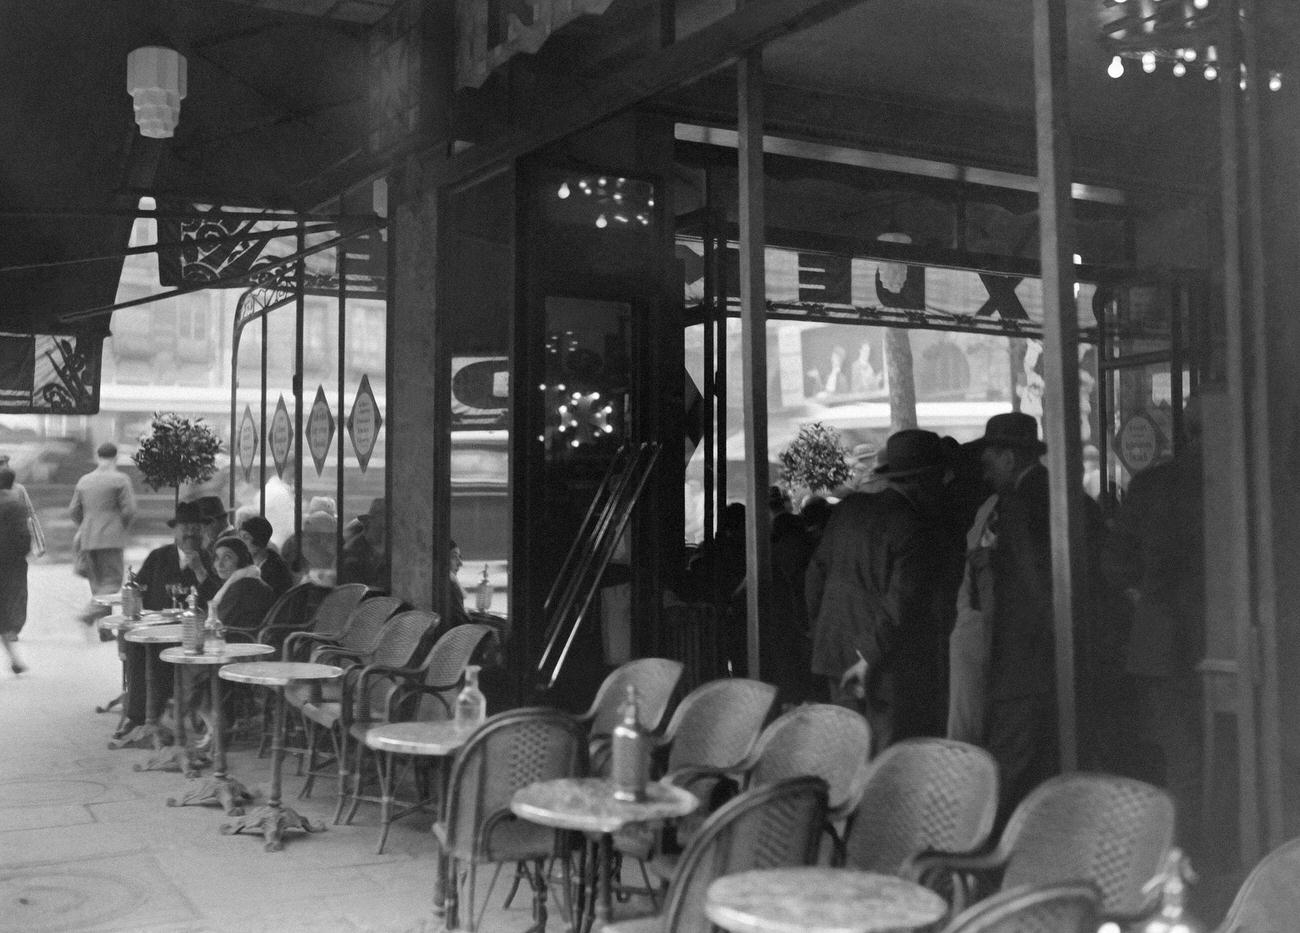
(871, 589)
(15, 542)
(1022, 728)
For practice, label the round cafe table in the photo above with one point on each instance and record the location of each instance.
(273, 819)
(819, 900)
(587, 805)
(151, 732)
(220, 788)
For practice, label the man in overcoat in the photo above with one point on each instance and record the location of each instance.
(102, 506)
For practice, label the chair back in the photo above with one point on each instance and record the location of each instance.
(775, 826)
(366, 626)
(400, 637)
(445, 673)
(655, 680)
(291, 610)
(717, 723)
(335, 610)
(830, 742)
(1269, 899)
(922, 794)
(1060, 908)
(1111, 831)
(509, 751)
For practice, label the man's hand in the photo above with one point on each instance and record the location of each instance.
(855, 678)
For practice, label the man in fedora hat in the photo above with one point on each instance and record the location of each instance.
(172, 568)
(875, 592)
(364, 557)
(1014, 555)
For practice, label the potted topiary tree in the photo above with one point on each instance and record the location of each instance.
(177, 451)
(816, 461)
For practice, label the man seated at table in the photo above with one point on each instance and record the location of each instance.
(184, 564)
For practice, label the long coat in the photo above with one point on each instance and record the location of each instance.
(102, 507)
(870, 586)
(15, 541)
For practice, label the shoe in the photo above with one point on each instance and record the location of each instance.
(18, 668)
(126, 726)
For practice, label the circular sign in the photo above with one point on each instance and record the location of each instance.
(1138, 442)
(281, 436)
(247, 441)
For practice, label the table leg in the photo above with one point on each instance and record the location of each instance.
(177, 757)
(604, 902)
(273, 819)
(151, 734)
(220, 788)
(440, 873)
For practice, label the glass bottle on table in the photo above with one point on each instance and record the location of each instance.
(483, 592)
(471, 705)
(192, 625)
(132, 600)
(629, 751)
(214, 633)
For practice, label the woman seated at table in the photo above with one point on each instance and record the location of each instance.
(240, 605)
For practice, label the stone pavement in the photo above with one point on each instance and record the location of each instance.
(87, 843)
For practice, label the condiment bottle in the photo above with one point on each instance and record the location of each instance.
(131, 596)
(483, 593)
(471, 705)
(629, 752)
(192, 625)
(1172, 882)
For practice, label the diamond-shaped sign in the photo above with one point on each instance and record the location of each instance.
(320, 429)
(281, 437)
(247, 442)
(364, 422)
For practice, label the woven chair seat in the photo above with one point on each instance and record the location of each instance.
(1064, 908)
(324, 714)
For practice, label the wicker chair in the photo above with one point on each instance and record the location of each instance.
(356, 636)
(922, 794)
(415, 697)
(509, 751)
(1061, 908)
(361, 695)
(1111, 831)
(1269, 899)
(329, 621)
(655, 680)
(774, 826)
(285, 615)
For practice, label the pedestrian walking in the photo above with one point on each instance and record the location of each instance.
(15, 542)
(102, 507)
(33, 522)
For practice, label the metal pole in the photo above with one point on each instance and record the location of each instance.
(1236, 469)
(753, 317)
(1060, 354)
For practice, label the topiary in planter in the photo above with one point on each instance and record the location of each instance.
(815, 460)
(177, 451)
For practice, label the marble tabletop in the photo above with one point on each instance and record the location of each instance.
(820, 900)
(154, 634)
(119, 623)
(588, 804)
(417, 738)
(278, 673)
(230, 653)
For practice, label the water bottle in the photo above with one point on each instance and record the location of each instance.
(132, 599)
(214, 633)
(192, 625)
(629, 752)
(483, 593)
(471, 705)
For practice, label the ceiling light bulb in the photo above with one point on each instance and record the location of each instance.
(1116, 69)
(1148, 62)
(564, 191)
(1211, 72)
(1211, 54)
(1200, 4)
(1189, 55)
(1179, 69)
(1275, 80)
(601, 222)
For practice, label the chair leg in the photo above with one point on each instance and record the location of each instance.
(520, 872)
(539, 896)
(453, 893)
(358, 778)
(384, 765)
(309, 739)
(345, 779)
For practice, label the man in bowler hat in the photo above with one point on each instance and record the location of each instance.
(878, 595)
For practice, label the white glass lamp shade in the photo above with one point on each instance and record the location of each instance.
(155, 79)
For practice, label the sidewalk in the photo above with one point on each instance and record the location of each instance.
(87, 843)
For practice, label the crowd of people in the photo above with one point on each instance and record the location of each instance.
(923, 599)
